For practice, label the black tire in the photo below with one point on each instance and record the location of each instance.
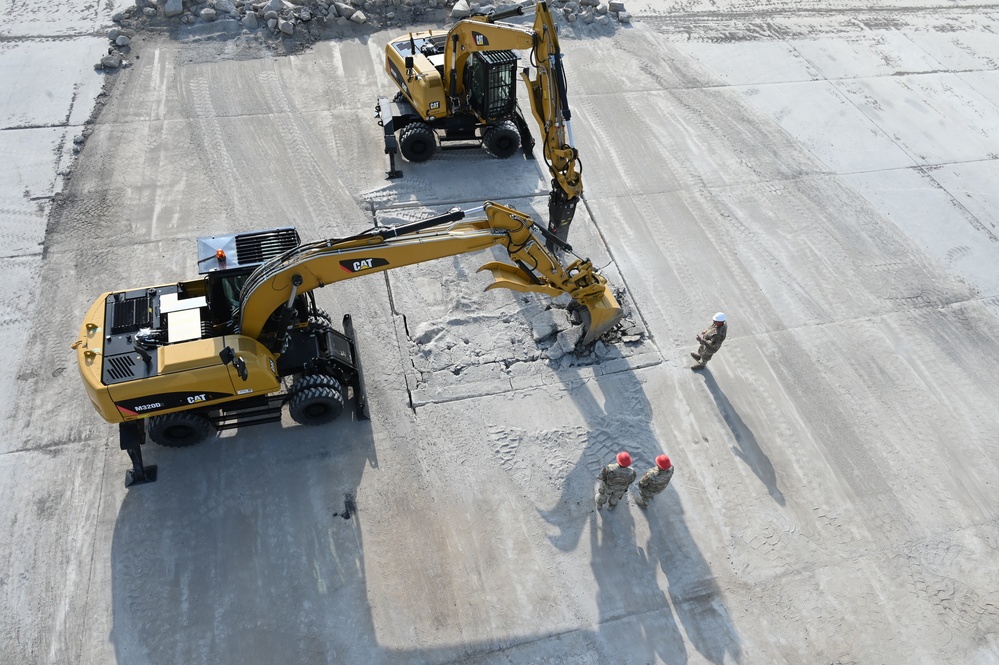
(316, 399)
(417, 142)
(179, 430)
(399, 97)
(502, 140)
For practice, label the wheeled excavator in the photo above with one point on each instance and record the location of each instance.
(232, 347)
(459, 86)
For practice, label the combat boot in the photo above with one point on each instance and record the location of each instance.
(697, 366)
(695, 356)
(641, 503)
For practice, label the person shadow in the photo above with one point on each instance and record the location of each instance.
(748, 448)
(633, 607)
(693, 589)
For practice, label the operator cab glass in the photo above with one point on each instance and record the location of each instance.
(490, 79)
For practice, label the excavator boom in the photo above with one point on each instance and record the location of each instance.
(314, 265)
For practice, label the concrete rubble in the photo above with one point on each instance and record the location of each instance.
(306, 19)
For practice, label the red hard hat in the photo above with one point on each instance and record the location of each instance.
(624, 459)
(663, 462)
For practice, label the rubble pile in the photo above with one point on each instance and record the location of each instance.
(311, 19)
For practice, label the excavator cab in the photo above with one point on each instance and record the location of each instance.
(491, 81)
(226, 261)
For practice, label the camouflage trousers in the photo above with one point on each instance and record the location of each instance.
(647, 495)
(609, 495)
(705, 354)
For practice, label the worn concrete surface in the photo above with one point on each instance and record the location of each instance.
(824, 174)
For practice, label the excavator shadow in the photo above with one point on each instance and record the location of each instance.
(262, 524)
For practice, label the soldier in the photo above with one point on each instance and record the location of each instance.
(711, 340)
(655, 480)
(615, 480)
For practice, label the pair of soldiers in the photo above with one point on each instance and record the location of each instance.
(616, 478)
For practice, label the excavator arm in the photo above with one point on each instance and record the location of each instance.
(275, 285)
(550, 106)
(546, 90)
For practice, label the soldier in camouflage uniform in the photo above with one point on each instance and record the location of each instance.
(655, 480)
(711, 340)
(615, 480)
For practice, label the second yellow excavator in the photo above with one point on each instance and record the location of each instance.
(459, 87)
(184, 359)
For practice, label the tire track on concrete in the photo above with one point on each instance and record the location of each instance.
(299, 141)
(935, 575)
(211, 142)
(786, 21)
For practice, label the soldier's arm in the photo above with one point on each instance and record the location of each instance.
(713, 340)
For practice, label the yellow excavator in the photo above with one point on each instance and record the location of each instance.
(181, 360)
(458, 88)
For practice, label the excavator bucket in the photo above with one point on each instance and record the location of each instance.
(600, 310)
(600, 315)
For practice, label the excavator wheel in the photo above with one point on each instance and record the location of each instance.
(502, 140)
(417, 142)
(316, 399)
(179, 430)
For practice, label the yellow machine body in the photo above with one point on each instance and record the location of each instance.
(191, 356)
(188, 375)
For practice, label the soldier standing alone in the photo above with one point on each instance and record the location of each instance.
(615, 480)
(655, 480)
(711, 340)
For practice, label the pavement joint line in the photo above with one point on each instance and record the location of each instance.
(16, 39)
(584, 374)
(415, 205)
(65, 443)
(871, 317)
(846, 13)
(137, 242)
(26, 255)
(620, 272)
(54, 125)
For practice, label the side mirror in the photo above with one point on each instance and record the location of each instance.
(409, 62)
(227, 356)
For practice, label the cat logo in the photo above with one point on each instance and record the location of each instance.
(194, 399)
(361, 265)
(480, 39)
(434, 105)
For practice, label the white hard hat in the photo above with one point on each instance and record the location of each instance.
(720, 316)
